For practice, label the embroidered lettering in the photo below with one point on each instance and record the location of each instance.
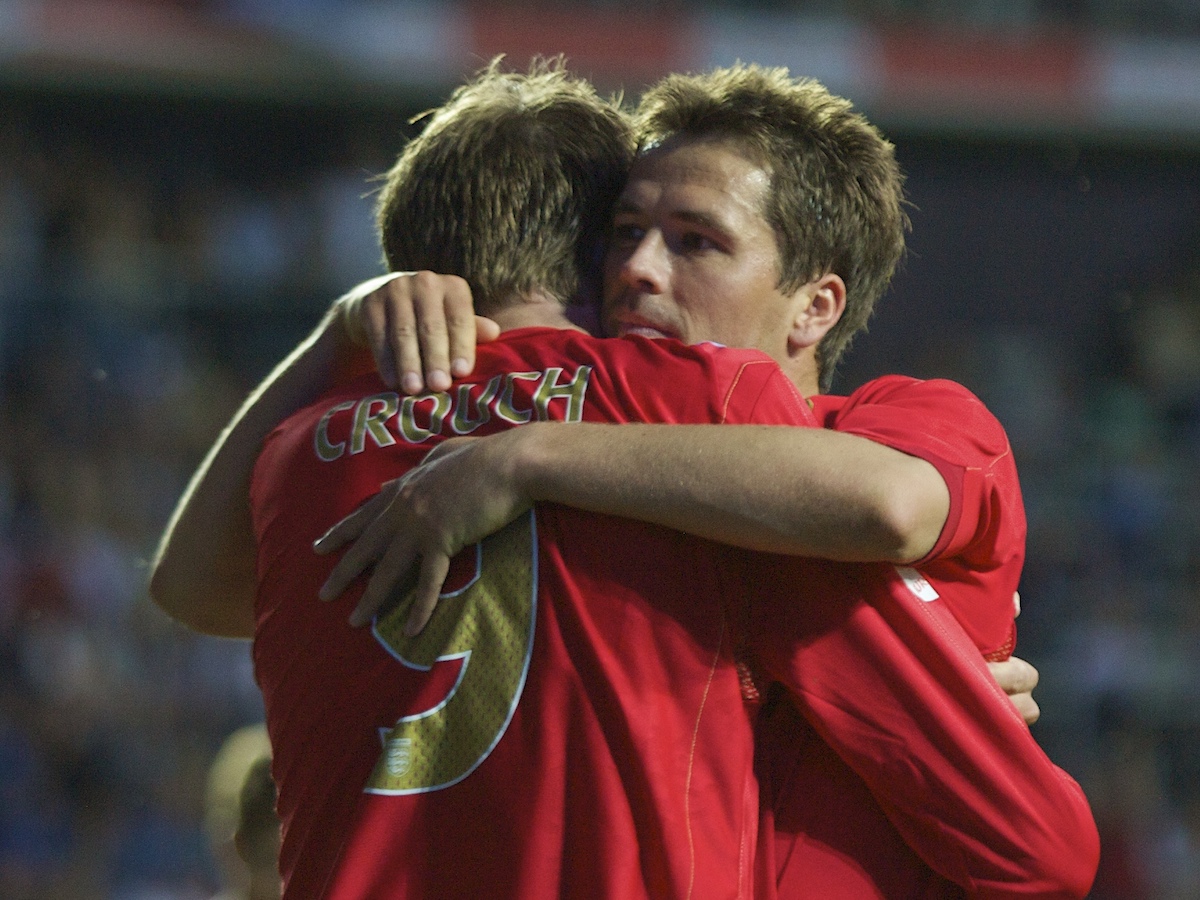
(327, 451)
(370, 417)
(517, 398)
(572, 391)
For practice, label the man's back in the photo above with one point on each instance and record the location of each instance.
(570, 734)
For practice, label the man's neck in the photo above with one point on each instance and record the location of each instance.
(535, 311)
(801, 370)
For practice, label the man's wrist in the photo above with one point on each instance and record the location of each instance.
(347, 308)
(345, 322)
(529, 459)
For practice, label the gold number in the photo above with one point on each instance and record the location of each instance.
(489, 625)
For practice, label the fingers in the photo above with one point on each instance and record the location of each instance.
(1015, 675)
(387, 582)
(451, 353)
(486, 330)
(464, 340)
(1027, 707)
(430, 298)
(369, 545)
(439, 341)
(1017, 678)
(421, 328)
(448, 330)
(374, 319)
(400, 334)
(353, 525)
(391, 580)
(362, 312)
(434, 567)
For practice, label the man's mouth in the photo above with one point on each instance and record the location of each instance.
(642, 330)
(639, 326)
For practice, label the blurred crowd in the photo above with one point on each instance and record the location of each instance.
(138, 303)
(1126, 16)
(145, 287)
(1107, 449)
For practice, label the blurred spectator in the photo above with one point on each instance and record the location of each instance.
(240, 816)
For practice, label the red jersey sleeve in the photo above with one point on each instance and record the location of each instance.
(949, 427)
(887, 666)
(890, 680)
(976, 563)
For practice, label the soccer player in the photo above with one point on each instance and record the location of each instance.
(626, 767)
(676, 871)
(681, 265)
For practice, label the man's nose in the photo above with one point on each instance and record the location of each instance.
(646, 267)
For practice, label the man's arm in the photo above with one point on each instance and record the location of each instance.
(421, 328)
(203, 571)
(797, 491)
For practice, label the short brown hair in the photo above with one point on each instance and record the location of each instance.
(836, 201)
(509, 185)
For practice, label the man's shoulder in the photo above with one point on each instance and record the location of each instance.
(902, 386)
(657, 363)
(898, 391)
(636, 378)
(537, 342)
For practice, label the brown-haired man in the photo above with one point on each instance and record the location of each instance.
(808, 312)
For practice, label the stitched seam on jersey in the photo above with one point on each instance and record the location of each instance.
(687, 793)
(926, 609)
(732, 390)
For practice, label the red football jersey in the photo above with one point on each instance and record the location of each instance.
(911, 775)
(623, 770)
(571, 722)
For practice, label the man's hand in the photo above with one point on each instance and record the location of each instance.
(420, 327)
(463, 491)
(1017, 678)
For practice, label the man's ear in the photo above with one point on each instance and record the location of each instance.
(820, 305)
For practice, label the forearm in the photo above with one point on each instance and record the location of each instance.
(203, 572)
(799, 491)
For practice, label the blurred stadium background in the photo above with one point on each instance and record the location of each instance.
(182, 192)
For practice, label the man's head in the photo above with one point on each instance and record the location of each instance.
(820, 180)
(240, 811)
(509, 186)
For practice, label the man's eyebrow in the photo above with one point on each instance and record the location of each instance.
(703, 219)
(691, 216)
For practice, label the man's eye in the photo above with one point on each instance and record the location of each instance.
(626, 234)
(692, 241)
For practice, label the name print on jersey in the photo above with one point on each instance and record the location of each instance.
(516, 398)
